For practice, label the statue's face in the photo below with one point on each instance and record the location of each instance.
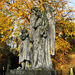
(35, 15)
(24, 34)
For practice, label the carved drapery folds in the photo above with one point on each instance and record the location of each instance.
(42, 30)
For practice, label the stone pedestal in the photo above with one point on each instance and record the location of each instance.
(33, 72)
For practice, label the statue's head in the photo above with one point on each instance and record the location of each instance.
(35, 15)
(36, 11)
(24, 34)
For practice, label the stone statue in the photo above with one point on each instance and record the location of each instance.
(43, 37)
(49, 12)
(24, 57)
(35, 24)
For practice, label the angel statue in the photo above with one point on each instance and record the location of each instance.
(42, 29)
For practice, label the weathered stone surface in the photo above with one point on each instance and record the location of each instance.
(33, 72)
(24, 49)
(42, 29)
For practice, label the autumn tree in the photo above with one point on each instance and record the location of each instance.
(15, 16)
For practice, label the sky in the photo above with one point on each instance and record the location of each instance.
(72, 3)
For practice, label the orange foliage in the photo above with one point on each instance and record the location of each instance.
(15, 16)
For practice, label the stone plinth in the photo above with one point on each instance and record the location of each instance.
(33, 72)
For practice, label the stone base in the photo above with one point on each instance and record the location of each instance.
(33, 72)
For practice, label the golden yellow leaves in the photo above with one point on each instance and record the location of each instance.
(62, 43)
(1, 4)
(62, 48)
(72, 33)
(20, 13)
(6, 35)
(16, 4)
(1, 32)
(58, 17)
(5, 26)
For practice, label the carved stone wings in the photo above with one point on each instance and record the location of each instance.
(47, 22)
(51, 19)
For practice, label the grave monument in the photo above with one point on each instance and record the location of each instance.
(38, 56)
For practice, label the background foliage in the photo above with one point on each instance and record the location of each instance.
(15, 16)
